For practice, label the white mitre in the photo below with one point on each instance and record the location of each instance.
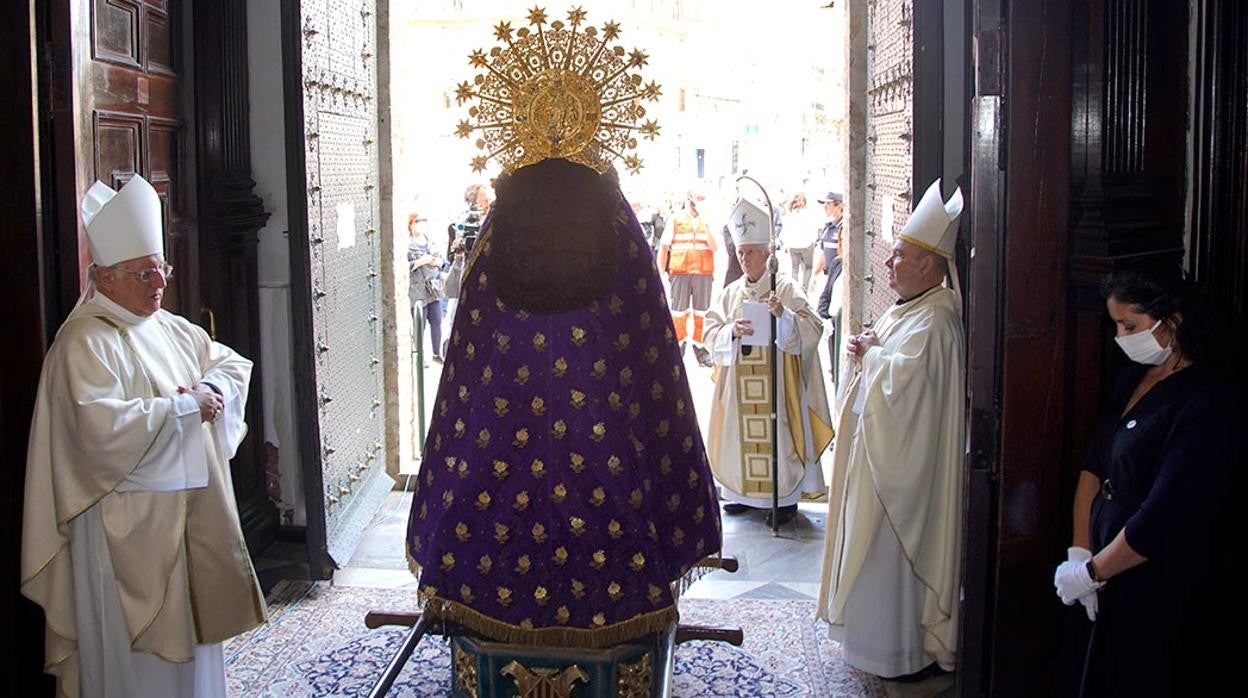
(749, 224)
(931, 226)
(123, 224)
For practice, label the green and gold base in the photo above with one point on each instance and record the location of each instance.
(484, 669)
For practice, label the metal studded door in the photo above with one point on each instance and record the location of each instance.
(338, 81)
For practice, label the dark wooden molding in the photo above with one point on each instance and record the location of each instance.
(230, 216)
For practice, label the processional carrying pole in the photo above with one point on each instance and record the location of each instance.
(773, 268)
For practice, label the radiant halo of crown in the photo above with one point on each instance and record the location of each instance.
(557, 90)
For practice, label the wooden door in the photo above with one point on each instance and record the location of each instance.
(128, 108)
(334, 196)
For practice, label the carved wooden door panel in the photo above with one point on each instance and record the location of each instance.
(339, 258)
(130, 93)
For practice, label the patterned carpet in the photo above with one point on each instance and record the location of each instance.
(316, 645)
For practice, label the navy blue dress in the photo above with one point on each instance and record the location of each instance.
(1165, 468)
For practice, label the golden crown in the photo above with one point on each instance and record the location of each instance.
(557, 91)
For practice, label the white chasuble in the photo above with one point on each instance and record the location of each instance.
(739, 442)
(131, 541)
(892, 553)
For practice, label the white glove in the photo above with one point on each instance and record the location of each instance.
(1091, 605)
(1072, 579)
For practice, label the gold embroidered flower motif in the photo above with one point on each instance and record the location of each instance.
(450, 372)
(522, 375)
(621, 343)
(562, 615)
(500, 406)
(638, 562)
(700, 547)
(599, 559)
(599, 620)
(599, 432)
(693, 478)
(634, 410)
(600, 369)
(526, 624)
(424, 511)
(502, 532)
(644, 321)
(504, 596)
(442, 408)
(614, 529)
(640, 286)
(522, 438)
(676, 373)
(656, 391)
(487, 375)
(429, 593)
(522, 501)
(699, 514)
(613, 465)
(539, 341)
(485, 564)
(470, 351)
(665, 464)
(632, 249)
(456, 338)
(462, 532)
(614, 591)
(615, 305)
(578, 336)
(450, 464)
(448, 562)
(448, 498)
(577, 399)
(578, 589)
(523, 564)
(559, 429)
(416, 545)
(663, 428)
(577, 462)
(538, 406)
(678, 536)
(652, 354)
(503, 342)
(475, 316)
(465, 593)
(655, 594)
(483, 501)
(459, 428)
(437, 441)
(680, 408)
(560, 558)
(559, 493)
(626, 377)
(498, 303)
(597, 497)
(561, 367)
(673, 502)
(614, 401)
(538, 468)
(667, 333)
(482, 280)
(539, 533)
(521, 315)
(635, 499)
(687, 444)
(483, 438)
(541, 596)
(577, 524)
(429, 478)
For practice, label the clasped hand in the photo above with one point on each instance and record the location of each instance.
(860, 343)
(210, 404)
(1074, 583)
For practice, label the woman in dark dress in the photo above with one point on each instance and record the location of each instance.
(1150, 534)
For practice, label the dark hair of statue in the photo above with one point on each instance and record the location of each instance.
(554, 244)
(1160, 291)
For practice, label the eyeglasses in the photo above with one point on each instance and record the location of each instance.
(165, 271)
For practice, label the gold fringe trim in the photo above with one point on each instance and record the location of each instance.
(578, 638)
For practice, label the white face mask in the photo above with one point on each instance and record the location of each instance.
(1143, 347)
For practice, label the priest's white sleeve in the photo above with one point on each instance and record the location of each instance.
(176, 459)
(787, 339)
